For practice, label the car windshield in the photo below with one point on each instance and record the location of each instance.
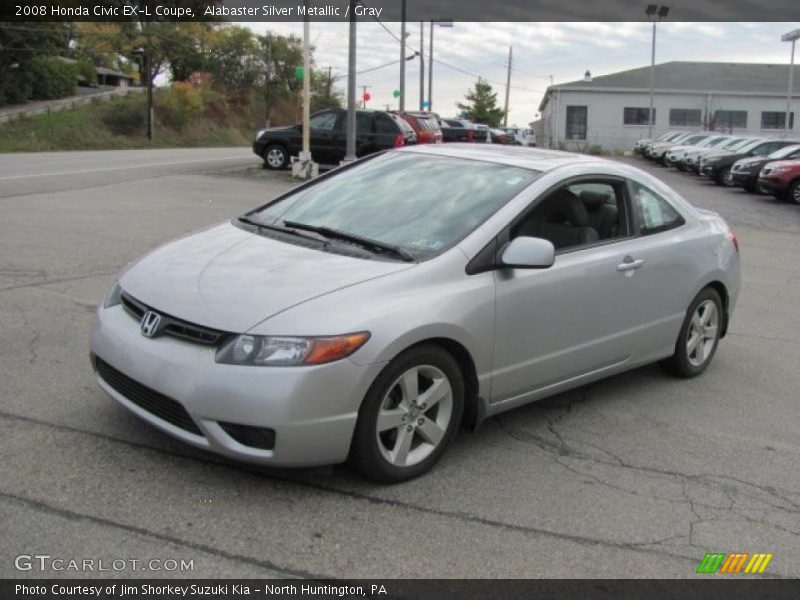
(750, 146)
(734, 144)
(784, 152)
(409, 200)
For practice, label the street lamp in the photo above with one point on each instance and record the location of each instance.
(440, 23)
(655, 13)
(792, 36)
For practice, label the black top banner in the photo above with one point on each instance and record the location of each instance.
(391, 10)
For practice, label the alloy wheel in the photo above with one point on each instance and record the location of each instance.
(276, 158)
(414, 415)
(703, 332)
(727, 178)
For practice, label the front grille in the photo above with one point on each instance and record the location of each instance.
(163, 407)
(172, 326)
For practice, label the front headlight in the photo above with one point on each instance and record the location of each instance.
(280, 351)
(114, 296)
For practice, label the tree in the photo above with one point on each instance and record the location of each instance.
(234, 61)
(20, 43)
(482, 105)
(323, 93)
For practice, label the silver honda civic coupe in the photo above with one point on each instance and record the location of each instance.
(367, 314)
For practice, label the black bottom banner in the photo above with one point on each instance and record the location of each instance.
(397, 589)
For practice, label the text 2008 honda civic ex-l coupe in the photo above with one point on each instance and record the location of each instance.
(369, 312)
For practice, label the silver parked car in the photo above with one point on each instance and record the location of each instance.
(368, 313)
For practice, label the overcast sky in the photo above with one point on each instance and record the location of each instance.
(563, 50)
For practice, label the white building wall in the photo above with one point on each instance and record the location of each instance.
(605, 126)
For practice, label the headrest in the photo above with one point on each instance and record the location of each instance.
(592, 199)
(564, 206)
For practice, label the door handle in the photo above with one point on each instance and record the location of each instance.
(629, 264)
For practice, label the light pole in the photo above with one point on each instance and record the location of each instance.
(350, 129)
(654, 13)
(403, 56)
(440, 23)
(792, 36)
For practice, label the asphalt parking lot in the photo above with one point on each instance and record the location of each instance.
(635, 476)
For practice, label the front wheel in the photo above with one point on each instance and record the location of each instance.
(725, 178)
(699, 336)
(276, 157)
(409, 415)
(794, 192)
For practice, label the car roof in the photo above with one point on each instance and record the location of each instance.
(536, 159)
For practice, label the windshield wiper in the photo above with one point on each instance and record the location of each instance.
(249, 221)
(364, 242)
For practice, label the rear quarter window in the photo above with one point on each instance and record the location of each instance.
(652, 212)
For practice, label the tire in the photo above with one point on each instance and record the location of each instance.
(692, 355)
(794, 192)
(724, 178)
(751, 187)
(413, 438)
(276, 157)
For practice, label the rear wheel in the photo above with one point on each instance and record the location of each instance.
(409, 415)
(276, 157)
(699, 336)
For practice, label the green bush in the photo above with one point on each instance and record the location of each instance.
(179, 105)
(15, 87)
(51, 78)
(86, 68)
(124, 116)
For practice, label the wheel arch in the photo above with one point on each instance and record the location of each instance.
(722, 290)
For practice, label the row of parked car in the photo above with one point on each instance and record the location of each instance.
(376, 130)
(756, 164)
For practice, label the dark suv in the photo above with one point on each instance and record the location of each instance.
(375, 131)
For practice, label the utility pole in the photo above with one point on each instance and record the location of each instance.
(268, 82)
(329, 87)
(508, 84)
(422, 65)
(350, 132)
(304, 166)
(403, 56)
(430, 72)
(551, 102)
(364, 96)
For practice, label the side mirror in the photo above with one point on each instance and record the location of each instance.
(528, 253)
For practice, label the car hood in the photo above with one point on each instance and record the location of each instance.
(231, 279)
(751, 162)
(726, 156)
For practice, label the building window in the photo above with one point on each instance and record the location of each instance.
(685, 117)
(776, 120)
(577, 118)
(730, 119)
(637, 116)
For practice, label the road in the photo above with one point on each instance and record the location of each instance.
(635, 476)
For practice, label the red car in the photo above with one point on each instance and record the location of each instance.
(781, 178)
(424, 125)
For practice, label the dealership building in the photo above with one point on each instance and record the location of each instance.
(611, 111)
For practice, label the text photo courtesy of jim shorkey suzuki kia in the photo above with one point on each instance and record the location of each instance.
(399, 299)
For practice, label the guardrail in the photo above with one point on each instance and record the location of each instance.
(67, 103)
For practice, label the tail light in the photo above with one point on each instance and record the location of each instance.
(399, 140)
(732, 237)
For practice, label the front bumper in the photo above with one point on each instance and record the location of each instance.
(710, 170)
(744, 179)
(773, 185)
(311, 409)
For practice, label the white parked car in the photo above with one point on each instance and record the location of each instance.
(523, 137)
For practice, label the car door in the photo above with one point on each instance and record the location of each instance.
(324, 128)
(577, 318)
